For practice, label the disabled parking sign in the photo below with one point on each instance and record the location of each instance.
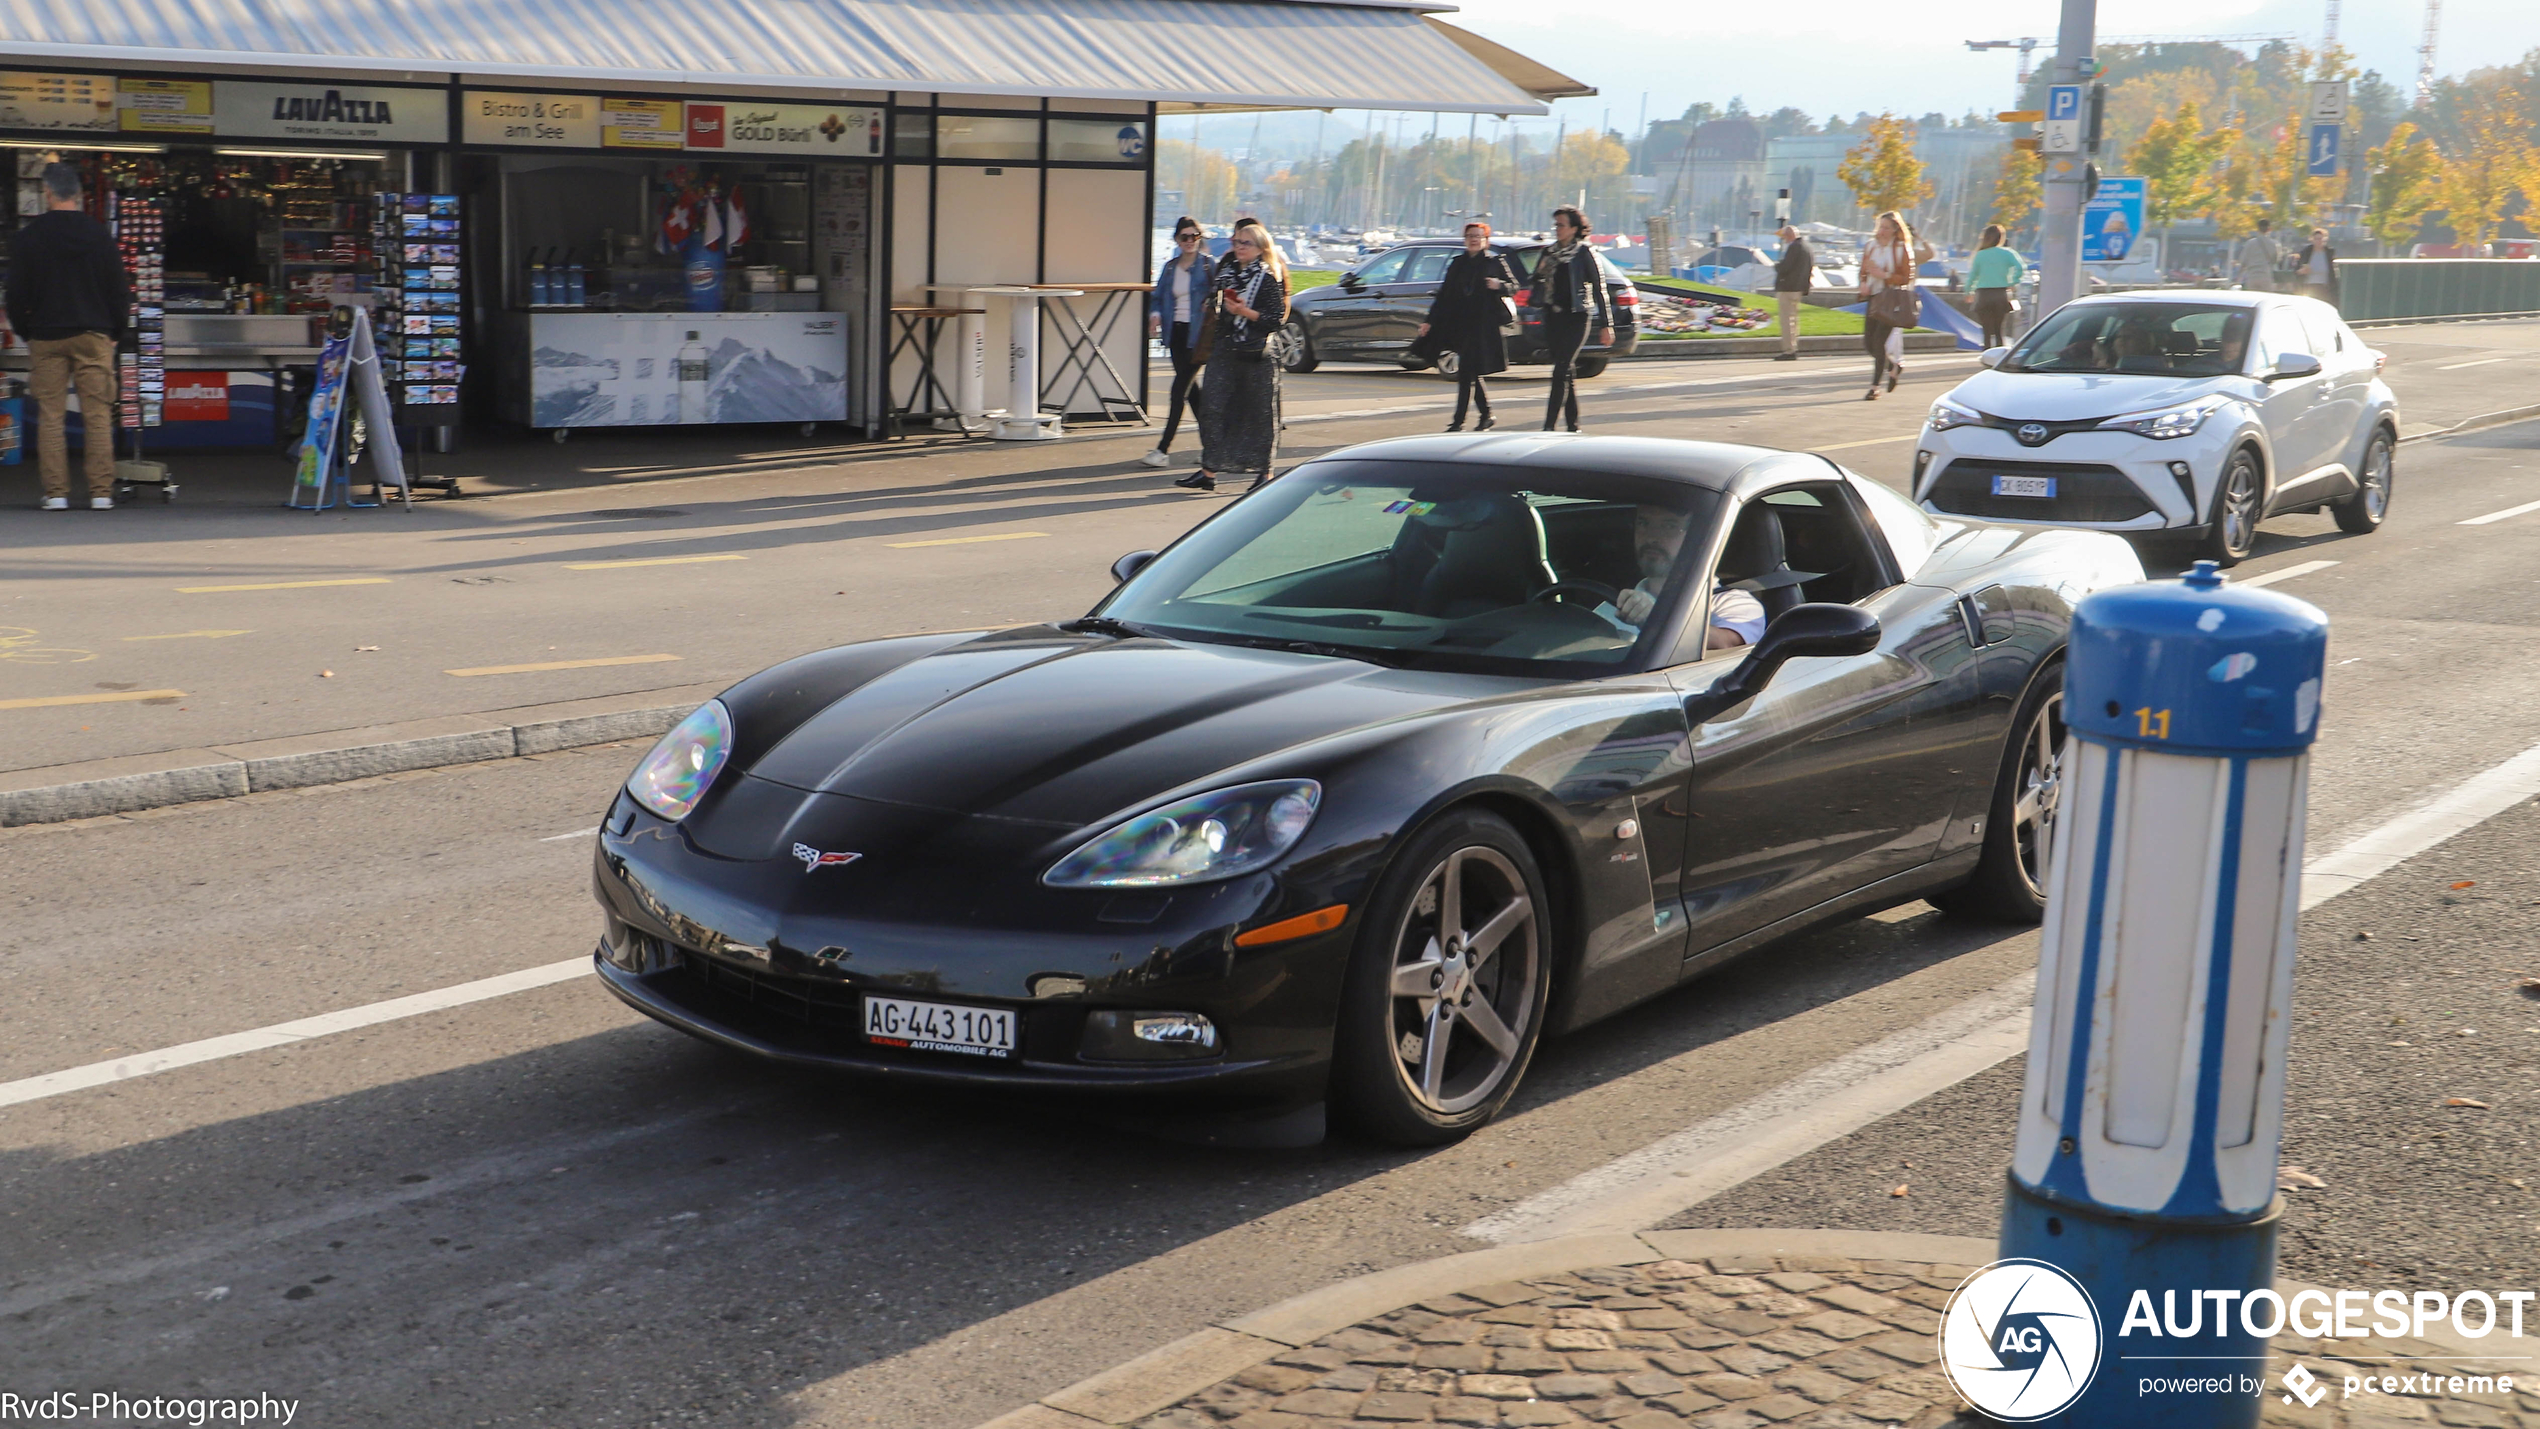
(2112, 220)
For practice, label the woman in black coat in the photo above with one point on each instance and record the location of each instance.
(1465, 319)
(1570, 294)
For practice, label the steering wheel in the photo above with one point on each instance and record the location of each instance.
(1603, 592)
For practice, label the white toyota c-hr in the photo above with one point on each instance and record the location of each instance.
(2188, 416)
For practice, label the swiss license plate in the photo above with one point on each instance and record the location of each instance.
(939, 1027)
(2024, 486)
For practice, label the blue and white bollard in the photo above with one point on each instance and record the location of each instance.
(2149, 1124)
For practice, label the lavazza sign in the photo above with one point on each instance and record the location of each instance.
(373, 114)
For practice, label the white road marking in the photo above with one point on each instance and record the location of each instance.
(1852, 1091)
(2506, 514)
(1828, 1101)
(576, 834)
(2288, 573)
(1871, 442)
(2464, 806)
(283, 1034)
(2481, 362)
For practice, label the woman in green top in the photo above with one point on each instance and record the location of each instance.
(1991, 276)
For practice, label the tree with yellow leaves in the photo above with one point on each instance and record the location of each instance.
(2494, 158)
(2176, 157)
(1207, 178)
(2016, 189)
(2407, 180)
(1883, 170)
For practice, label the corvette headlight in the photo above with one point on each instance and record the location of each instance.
(682, 767)
(1943, 417)
(2169, 422)
(1215, 835)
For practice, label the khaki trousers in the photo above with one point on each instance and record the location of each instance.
(88, 360)
(1789, 304)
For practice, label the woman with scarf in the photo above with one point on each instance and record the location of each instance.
(1239, 384)
(1465, 319)
(1887, 265)
(1570, 293)
(1175, 314)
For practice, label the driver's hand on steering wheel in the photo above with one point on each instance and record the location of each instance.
(1634, 605)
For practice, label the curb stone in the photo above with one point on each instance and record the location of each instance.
(148, 781)
(1816, 1329)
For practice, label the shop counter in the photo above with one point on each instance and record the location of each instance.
(585, 369)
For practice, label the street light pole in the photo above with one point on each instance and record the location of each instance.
(2066, 176)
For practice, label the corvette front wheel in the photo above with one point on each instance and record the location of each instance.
(1444, 1001)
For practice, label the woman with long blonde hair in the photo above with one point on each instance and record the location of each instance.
(1239, 386)
(1887, 265)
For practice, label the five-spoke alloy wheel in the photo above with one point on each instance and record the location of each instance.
(2009, 883)
(1446, 992)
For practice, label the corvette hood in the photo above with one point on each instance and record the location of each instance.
(1043, 725)
(2077, 396)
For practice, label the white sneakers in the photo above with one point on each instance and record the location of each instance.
(1158, 457)
(57, 503)
(63, 503)
(101, 503)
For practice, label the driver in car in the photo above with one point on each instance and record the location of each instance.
(1658, 533)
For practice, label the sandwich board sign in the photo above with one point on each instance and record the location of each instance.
(348, 372)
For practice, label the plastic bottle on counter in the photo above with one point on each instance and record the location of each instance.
(539, 296)
(692, 380)
(576, 291)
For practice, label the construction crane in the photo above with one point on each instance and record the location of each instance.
(2425, 51)
(2195, 39)
(2026, 45)
(2328, 34)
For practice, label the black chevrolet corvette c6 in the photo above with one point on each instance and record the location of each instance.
(1364, 785)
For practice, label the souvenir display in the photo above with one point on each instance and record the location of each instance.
(415, 238)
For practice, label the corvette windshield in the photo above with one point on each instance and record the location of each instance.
(1433, 565)
(2149, 339)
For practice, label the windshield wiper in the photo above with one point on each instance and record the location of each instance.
(1105, 625)
(1393, 658)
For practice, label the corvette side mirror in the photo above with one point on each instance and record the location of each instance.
(2293, 365)
(1817, 629)
(1992, 356)
(1129, 565)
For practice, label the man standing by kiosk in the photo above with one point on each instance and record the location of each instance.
(68, 297)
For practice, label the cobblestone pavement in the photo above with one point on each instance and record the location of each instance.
(1810, 1342)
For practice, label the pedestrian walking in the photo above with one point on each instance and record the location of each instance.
(1238, 407)
(1175, 313)
(1569, 290)
(69, 299)
(1793, 276)
(1892, 304)
(2316, 268)
(2254, 262)
(1994, 276)
(1469, 318)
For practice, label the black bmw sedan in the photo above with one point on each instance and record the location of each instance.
(1374, 312)
(1425, 750)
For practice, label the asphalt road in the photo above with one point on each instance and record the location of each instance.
(542, 1209)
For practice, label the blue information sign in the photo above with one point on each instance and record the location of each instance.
(2112, 220)
(2324, 146)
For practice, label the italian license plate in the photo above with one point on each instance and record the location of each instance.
(2024, 486)
(939, 1027)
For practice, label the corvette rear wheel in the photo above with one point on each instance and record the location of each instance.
(1444, 1000)
(2009, 884)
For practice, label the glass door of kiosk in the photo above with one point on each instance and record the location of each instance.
(677, 291)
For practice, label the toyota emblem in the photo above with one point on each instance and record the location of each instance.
(2031, 433)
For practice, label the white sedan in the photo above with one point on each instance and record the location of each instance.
(2191, 416)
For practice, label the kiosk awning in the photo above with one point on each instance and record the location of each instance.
(1369, 54)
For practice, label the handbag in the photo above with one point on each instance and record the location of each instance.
(1896, 307)
(1509, 326)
